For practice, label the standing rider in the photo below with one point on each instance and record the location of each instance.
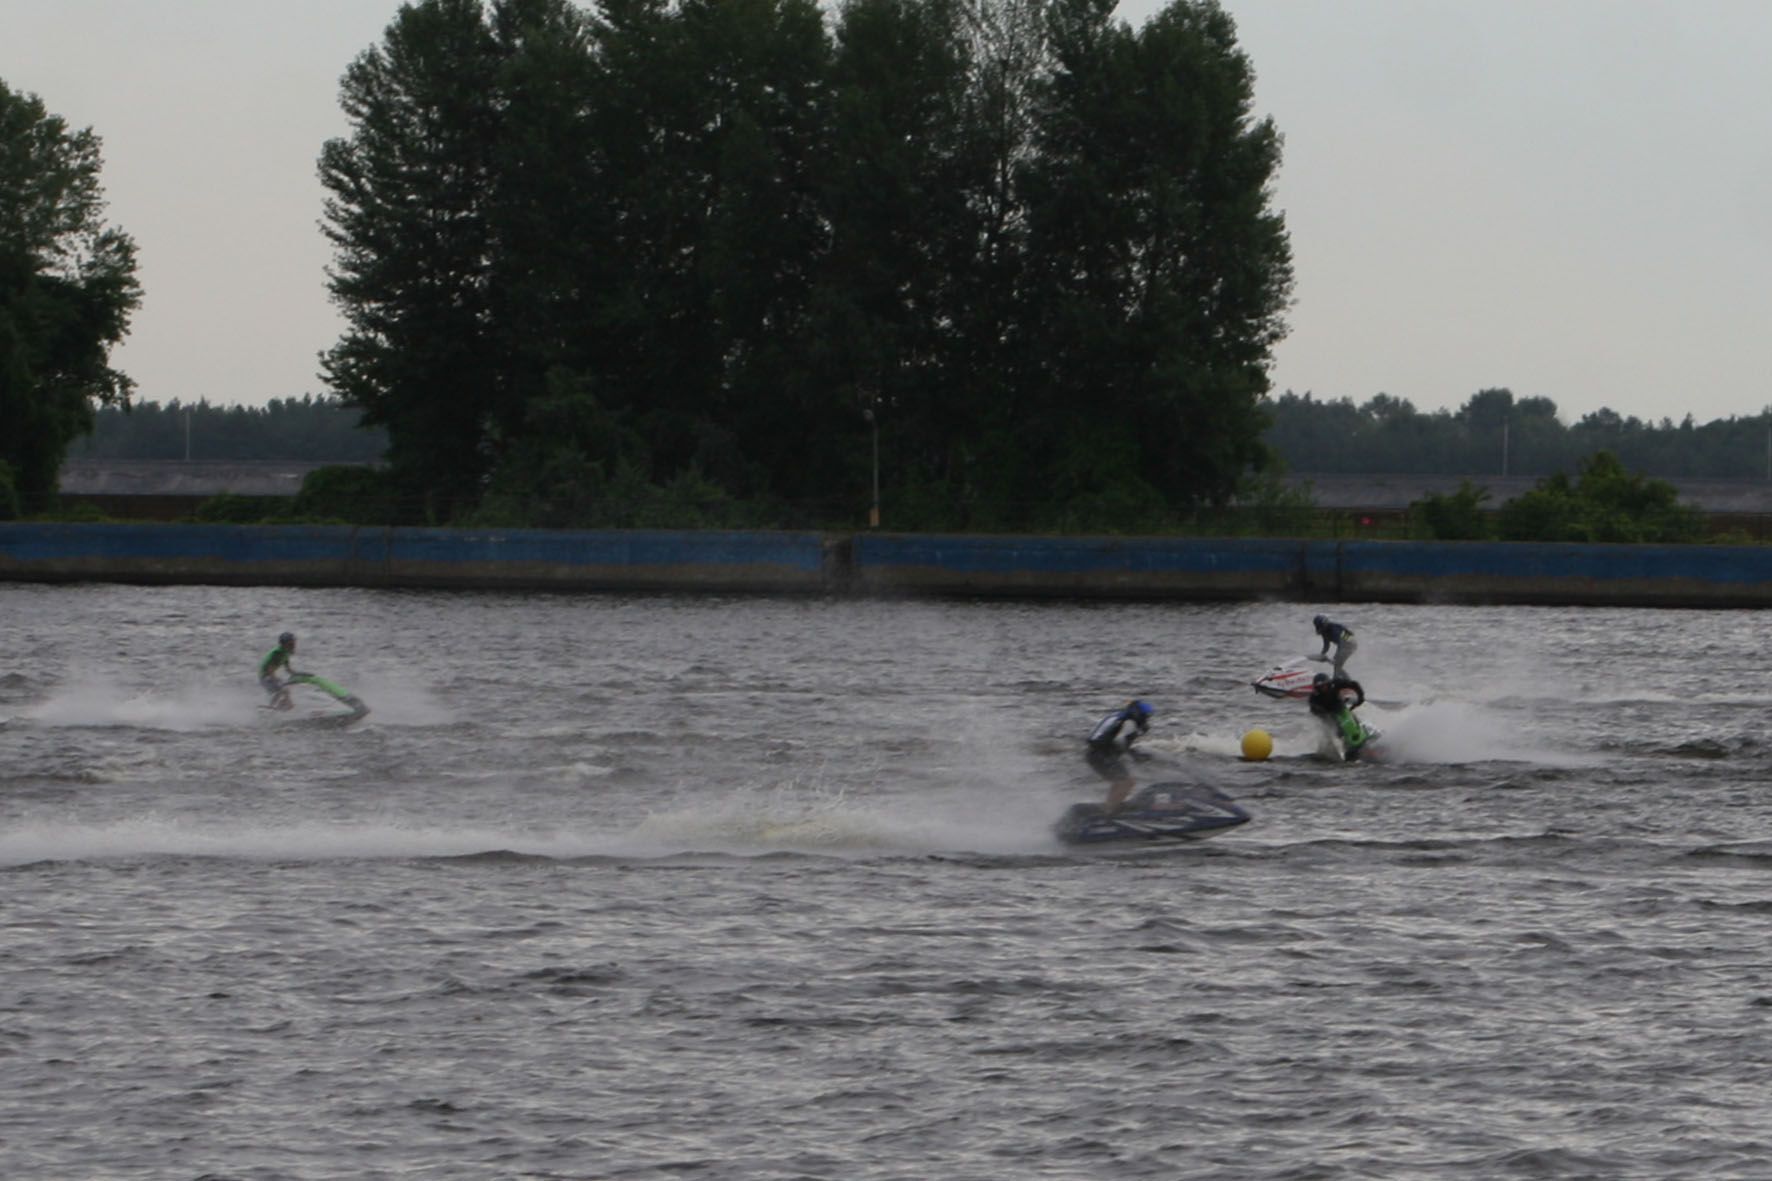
(1110, 744)
(1339, 635)
(278, 658)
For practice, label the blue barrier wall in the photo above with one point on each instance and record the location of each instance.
(1367, 571)
(892, 564)
(1076, 566)
(350, 556)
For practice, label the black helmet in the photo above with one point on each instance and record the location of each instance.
(1320, 679)
(286, 640)
(1319, 621)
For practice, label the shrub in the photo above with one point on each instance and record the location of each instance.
(229, 508)
(350, 493)
(1607, 503)
(1458, 516)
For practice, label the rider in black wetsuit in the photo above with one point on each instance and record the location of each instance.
(1110, 744)
(1328, 702)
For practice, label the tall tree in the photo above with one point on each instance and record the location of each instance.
(408, 218)
(547, 203)
(895, 190)
(1162, 271)
(67, 290)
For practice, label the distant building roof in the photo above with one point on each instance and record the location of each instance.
(172, 477)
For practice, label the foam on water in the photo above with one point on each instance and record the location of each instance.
(814, 819)
(196, 705)
(30, 843)
(193, 706)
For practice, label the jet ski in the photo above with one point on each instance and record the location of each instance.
(1162, 814)
(1291, 679)
(1352, 739)
(357, 710)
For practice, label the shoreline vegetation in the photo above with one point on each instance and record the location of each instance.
(1605, 503)
(1606, 499)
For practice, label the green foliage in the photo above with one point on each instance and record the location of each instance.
(681, 247)
(230, 508)
(67, 290)
(1458, 516)
(625, 499)
(73, 514)
(9, 501)
(355, 495)
(1607, 503)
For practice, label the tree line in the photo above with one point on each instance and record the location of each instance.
(1384, 435)
(1494, 433)
(306, 428)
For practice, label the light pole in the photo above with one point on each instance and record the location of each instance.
(874, 428)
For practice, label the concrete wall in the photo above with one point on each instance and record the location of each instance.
(892, 564)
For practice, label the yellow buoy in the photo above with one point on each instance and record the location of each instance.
(1257, 745)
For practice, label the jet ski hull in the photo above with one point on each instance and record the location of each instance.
(1162, 814)
(1291, 680)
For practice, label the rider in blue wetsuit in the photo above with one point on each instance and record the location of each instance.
(1341, 636)
(277, 658)
(1110, 745)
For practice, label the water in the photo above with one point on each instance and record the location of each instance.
(624, 887)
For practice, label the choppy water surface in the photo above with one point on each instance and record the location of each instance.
(728, 888)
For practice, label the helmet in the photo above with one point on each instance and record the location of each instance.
(1320, 679)
(1139, 709)
(286, 640)
(1319, 621)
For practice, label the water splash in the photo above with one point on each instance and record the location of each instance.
(1460, 732)
(151, 837)
(183, 708)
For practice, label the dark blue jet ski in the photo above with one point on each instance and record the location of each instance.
(1158, 815)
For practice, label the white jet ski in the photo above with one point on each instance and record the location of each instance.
(1291, 679)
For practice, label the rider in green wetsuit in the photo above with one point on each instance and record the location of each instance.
(278, 658)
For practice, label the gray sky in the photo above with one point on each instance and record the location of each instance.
(1568, 198)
